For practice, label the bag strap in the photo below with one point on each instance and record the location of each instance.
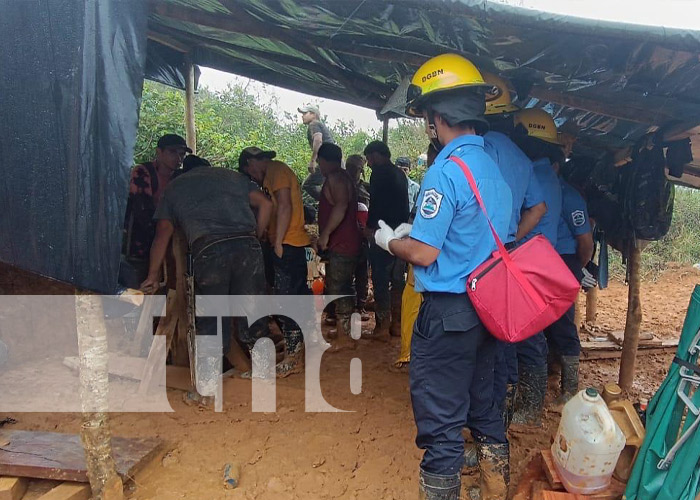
(472, 184)
(514, 269)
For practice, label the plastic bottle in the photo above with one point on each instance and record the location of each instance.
(587, 444)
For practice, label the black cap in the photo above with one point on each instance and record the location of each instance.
(253, 152)
(173, 140)
(403, 161)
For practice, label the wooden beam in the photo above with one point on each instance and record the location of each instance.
(168, 41)
(385, 130)
(68, 491)
(190, 126)
(626, 113)
(12, 488)
(633, 322)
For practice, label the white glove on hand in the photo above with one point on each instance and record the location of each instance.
(384, 235)
(588, 281)
(403, 230)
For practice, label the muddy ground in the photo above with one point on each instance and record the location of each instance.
(366, 453)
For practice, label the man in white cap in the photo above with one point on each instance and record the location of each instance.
(317, 133)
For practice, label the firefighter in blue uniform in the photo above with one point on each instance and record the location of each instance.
(536, 135)
(528, 208)
(575, 245)
(452, 355)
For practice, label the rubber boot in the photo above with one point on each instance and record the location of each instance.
(395, 328)
(494, 468)
(509, 406)
(438, 487)
(343, 339)
(529, 402)
(569, 378)
(381, 327)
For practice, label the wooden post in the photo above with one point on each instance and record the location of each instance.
(189, 107)
(94, 384)
(592, 305)
(385, 130)
(633, 323)
(577, 312)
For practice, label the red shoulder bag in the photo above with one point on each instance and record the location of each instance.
(519, 293)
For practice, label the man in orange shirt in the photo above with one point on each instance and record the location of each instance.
(287, 238)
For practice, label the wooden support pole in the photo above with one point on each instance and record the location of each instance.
(189, 107)
(592, 305)
(95, 433)
(577, 312)
(385, 130)
(633, 323)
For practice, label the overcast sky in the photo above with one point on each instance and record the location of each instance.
(669, 13)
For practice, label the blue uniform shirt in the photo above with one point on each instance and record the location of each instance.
(551, 190)
(448, 216)
(516, 169)
(573, 221)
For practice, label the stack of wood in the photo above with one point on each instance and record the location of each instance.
(541, 481)
(608, 345)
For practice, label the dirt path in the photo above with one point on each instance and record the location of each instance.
(367, 453)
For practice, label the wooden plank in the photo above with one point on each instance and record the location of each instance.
(12, 488)
(645, 338)
(50, 455)
(68, 491)
(550, 470)
(130, 367)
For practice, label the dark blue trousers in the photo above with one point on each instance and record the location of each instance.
(506, 371)
(533, 351)
(562, 335)
(452, 381)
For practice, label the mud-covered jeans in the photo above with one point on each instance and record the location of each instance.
(339, 276)
(362, 276)
(388, 275)
(290, 279)
(231, 267)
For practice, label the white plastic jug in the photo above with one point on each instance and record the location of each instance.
(587, 444)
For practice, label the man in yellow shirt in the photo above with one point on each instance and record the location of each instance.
(287, 239)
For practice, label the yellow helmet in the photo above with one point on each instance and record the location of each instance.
(538, 123)
(497, 95)
(441, 73)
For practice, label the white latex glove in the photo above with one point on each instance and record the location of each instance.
(403, 230)
(384, 235)
(588, 281)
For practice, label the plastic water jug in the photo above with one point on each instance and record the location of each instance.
(587, 444)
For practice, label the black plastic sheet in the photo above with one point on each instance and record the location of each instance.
(69, 93)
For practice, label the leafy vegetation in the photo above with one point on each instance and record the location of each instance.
(229, 120)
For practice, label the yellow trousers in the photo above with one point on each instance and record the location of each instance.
(410, 304)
